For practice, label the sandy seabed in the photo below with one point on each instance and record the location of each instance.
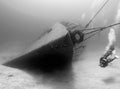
(85, 74)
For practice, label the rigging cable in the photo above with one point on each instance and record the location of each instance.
(96, 14)
(99, 29)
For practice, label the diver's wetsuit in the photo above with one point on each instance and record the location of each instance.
(108, 57)
(104, 62)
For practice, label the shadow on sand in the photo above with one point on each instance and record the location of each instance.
(58, 80)
(112, 79)
(58, 76)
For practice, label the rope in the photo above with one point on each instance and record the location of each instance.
(96, 14)
(98, 30)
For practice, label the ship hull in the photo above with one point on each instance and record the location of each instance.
(53, 56)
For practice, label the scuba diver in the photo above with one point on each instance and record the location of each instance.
(110, 53)
(108, 57)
